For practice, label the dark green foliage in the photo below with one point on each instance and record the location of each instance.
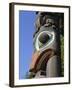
(62, 54)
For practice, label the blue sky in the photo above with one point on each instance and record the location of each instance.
(26, 30)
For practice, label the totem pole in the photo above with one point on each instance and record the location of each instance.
(46, 60)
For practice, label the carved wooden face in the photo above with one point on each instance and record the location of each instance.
(45, 41)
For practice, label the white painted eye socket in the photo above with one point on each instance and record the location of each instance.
(41, 44)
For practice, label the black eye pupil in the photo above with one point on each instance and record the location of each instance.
(44, 38)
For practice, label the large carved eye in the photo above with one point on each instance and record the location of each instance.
(43, 39)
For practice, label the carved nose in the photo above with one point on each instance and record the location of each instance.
(44, 38)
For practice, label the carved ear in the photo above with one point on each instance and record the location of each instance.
(37, 23)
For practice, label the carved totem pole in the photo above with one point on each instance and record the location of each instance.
(46, 60)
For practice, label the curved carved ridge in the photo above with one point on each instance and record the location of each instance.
(44, 56)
